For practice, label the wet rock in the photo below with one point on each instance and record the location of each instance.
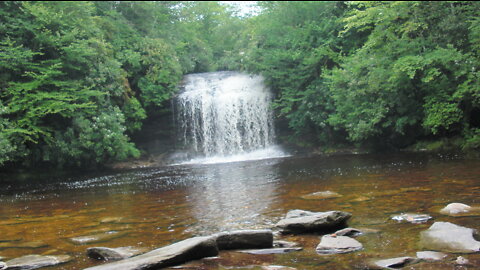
(300, 213)
(284, 244)
(351, 232)
(338, 244)
(431, 255)
(244, 239)
(95, 238)
(412, 218)
(455, 209)
(110, 254)
(448, 237)
(314, 222)
(36, 261)
(277, 267)
(3, 265)
(178, 253)
(393, 263)
(321, 195)
(270, 250)
(33, 244)
(461, 261)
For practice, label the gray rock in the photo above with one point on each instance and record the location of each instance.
(36, 261)
(455, 209)
(316, 222)
(270, 250)
(95, 238)
(448, 237)
(350, 232)
(431, 255)
(462, 261)
(300, 213)
(412, 218)
(393, 263)
(109, 254)
(338, 244)
(178, 253)
(244, 239)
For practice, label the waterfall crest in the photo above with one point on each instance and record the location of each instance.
(225, 116)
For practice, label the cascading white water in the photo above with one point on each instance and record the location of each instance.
(226, 116)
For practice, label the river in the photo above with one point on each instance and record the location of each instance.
(157, 206)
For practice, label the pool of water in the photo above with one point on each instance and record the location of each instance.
(154, 207)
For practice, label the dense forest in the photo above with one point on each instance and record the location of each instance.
(78, 79)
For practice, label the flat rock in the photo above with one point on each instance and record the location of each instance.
(455, 209)
(95, 238)
(320, 195)
(315, 222)
(412, 218)
(36, 261)
(175, 254)
(110, 254)
(270, 250)
(244, 239)
(448, 237)
(393, 263)
(33, 244)
(338, 244)
(431, 255)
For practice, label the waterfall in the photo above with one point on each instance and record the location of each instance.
(225, 116)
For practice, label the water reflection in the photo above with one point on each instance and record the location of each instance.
(233, 196)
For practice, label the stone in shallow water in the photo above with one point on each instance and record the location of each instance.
(175, 254)
(431, 255)
(350, 232)
(270, 250)
(412, 218)
(455, 209)
(277, 267)
(393, 263)
(313, 222)
(338, 244)
(284, 244)
(244, 239)
(95, 238)
(33, 244)
(448, 237)
(105, 253)
(320, 195)
(36, 261)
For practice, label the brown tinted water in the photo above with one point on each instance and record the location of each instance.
(155, 207)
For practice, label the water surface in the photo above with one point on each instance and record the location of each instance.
(155, 207)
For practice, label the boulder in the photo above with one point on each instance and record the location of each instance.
(244, 239)
(178, 253)
(393, 263)
(314, 222)
(321, 195)
(110, 254)
(36, 261)
(412, 218)
(338, 244)
(455, 209)
(431, 255)
(448, 237)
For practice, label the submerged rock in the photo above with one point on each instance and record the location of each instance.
(95, 238)
(313, 221)
(321, 195)
(393, 263)
(270, 250)
(455, 209)
(178, 253)
(448, 237)
(244, 239)
(412, 218)
(36, 261)
(431, 255)
(105, 253)
(338, 244)
(33, 244)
